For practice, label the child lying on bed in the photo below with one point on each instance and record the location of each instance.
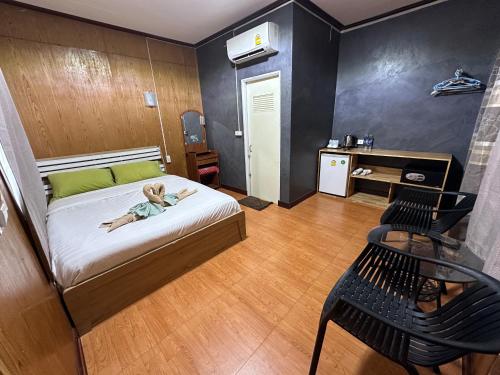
(157, 201)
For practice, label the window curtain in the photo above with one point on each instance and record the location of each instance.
(485, 133)
(483, 233)
(483, 139)
(17, 153)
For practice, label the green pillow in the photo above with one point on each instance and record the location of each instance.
(65, 184)
(131, 172)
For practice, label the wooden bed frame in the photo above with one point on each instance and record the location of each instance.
(101, 296)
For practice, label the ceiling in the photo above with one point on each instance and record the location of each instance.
(185, 20)
(351, 11)
(193, 20)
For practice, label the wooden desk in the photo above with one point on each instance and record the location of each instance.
(390, 153)
(384, 172)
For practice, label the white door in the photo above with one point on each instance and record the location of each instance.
(262, 127)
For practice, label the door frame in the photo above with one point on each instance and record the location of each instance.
(246, 129)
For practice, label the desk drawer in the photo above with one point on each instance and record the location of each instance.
(207, 161)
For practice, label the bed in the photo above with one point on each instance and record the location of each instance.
(99, 273)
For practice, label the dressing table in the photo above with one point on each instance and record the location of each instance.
(202, 163)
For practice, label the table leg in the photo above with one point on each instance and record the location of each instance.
(467, 364)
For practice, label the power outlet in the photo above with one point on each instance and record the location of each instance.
(238, 133)
(169, 159)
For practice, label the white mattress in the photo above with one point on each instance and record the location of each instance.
(79, 249)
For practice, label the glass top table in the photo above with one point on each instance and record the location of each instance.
(431, 246)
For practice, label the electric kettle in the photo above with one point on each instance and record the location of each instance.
(350, 141)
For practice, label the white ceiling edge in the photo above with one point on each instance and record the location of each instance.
(415, 9)
(395, 15)
(349, 12)
(215, 36)
(185, 21)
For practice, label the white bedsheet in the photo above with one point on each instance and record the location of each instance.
(79, 249)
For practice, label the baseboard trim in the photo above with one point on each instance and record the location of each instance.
(297, 201)
(82, 366)
(235, 189)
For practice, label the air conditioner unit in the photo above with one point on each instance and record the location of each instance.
(257, 42)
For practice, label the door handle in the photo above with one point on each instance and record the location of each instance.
(249, 149)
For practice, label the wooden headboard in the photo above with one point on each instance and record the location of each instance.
(97, 160)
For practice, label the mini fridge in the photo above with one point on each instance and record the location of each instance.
(333, 174)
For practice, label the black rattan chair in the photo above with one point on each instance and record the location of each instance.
(417, 209)
(375, 300)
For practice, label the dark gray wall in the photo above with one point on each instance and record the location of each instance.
(217, 82)
(307, 98)
(219, 95)
(314, 76)
(387, 70)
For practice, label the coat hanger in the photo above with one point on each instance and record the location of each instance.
(461, 83)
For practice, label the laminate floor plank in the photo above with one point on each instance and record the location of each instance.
(253, 309)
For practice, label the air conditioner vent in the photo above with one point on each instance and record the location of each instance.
(246, 55)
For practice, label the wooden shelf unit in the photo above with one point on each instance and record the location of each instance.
(370, 199)
(386, 175)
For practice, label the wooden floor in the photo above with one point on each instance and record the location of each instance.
(253, 309)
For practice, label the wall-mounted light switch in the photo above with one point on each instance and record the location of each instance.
(169, 159)
(238, 133)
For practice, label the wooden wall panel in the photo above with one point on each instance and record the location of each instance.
(79, 87)
(190, 58)
(178, 91)
(78, 101)
(166, 52)
(35, 334)
(170, 107)
(40, 27)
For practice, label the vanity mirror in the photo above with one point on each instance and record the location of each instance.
(193, 126)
